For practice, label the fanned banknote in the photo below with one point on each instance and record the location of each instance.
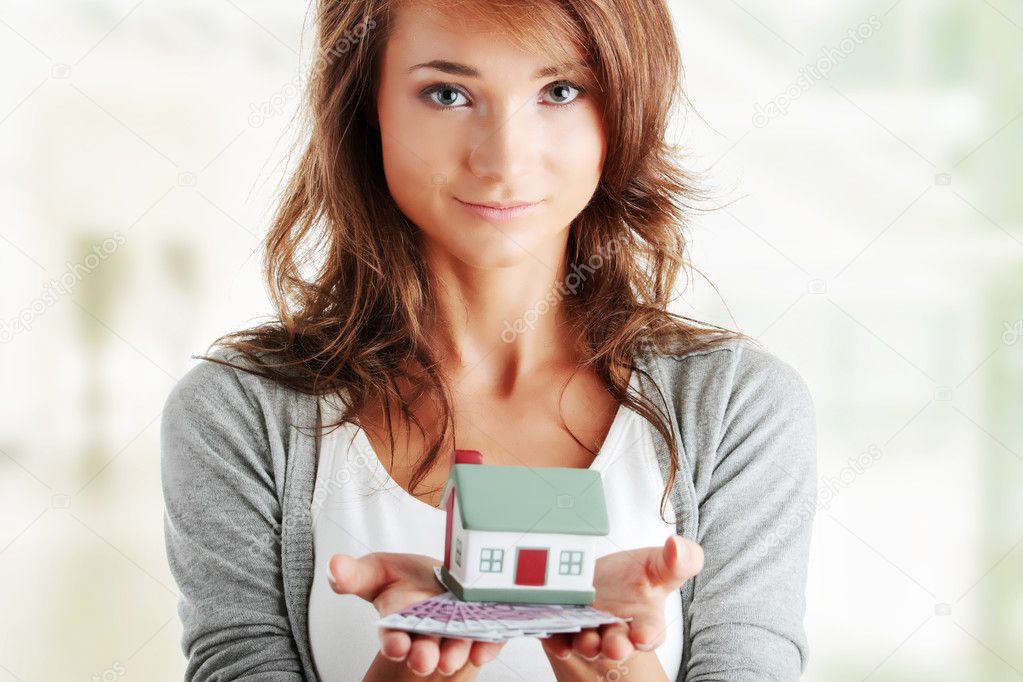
(448, 616)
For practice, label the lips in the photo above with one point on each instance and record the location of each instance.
(498, 205)
(494, 211)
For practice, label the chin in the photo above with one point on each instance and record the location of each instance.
(484, 250)
(503, 253)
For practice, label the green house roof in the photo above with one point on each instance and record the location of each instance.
(530, 499)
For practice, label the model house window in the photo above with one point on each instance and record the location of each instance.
(458, 552)
(571, 563)
(491, 560)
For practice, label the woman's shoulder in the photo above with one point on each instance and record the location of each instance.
(227, 374)
(742, 404)
(206, 389)
(728, 365)
(226, 391)
(220, 417)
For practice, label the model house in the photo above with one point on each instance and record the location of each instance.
(521, 534)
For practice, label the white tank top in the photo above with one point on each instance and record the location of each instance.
(358, 508)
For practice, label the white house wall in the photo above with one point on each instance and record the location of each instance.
(476, 540)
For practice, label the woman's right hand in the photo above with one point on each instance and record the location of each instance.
(631, 584)
(391, 581)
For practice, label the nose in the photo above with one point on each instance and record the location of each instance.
(505, 143)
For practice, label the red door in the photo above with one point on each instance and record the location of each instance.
(531, 567)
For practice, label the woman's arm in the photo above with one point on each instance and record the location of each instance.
(222, 529)
(756, 511)
(643, 665)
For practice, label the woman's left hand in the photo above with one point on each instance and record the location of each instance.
(632, 583)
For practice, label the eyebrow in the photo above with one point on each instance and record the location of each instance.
(456, 69)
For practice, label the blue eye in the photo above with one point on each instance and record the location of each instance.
(449, 94)
(562, 85)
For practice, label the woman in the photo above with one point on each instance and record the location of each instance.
(478, 250)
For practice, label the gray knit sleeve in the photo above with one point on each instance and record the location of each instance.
(756, 512)
(222, 525)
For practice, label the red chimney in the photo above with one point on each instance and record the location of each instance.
(467, 457)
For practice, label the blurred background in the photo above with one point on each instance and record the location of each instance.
(867, 162)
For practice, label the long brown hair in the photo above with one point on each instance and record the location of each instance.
(354, 300)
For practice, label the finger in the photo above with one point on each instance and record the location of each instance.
(363, 577)
(615, 643)
(454, 652)
(394, 644)
(559, 645)
(423, 655)
(646, 636)
(484, 652)
(693, 555)
(586, 643)
(678, 560)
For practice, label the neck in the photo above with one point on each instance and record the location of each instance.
(497, 327)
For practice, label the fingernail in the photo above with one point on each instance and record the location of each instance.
(330, 577)
(683, 548)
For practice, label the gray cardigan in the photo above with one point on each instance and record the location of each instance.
(238, 479)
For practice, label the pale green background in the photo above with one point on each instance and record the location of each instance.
(871, 236)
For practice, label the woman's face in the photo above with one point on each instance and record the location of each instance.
(483, 128)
